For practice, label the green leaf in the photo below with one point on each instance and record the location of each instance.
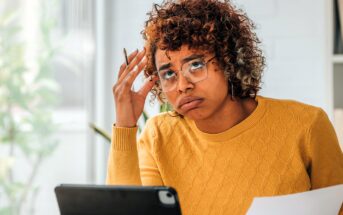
(100, 131)
(165, 107)
(145, 116)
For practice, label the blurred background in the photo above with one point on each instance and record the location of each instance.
(59, 59)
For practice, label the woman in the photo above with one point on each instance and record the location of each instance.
(222, 145)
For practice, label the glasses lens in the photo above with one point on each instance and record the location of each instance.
(195, 70)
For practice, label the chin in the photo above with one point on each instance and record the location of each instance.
(195, 114)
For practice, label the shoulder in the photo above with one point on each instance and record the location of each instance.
(292, 108)
(160, 129)
(293, 114)
(162, 124)
(163, 121)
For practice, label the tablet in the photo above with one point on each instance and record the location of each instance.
(116, 200)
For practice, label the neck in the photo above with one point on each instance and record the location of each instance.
(231, 113)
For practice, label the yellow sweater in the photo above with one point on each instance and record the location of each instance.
(283, 147)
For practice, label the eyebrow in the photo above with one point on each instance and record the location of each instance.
(192, 57)
(164, 66)
(185, 60)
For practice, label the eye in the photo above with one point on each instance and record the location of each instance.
(196, 65)
(168, 74)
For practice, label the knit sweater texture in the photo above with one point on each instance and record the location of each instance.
(283, 147)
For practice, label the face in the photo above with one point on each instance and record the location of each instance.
(194, 98)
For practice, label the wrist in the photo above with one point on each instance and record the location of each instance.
(124, 125)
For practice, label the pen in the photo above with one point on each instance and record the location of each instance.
(125, 55)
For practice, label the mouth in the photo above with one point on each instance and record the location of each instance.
(189, 103)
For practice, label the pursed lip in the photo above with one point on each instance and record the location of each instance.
(186, 100)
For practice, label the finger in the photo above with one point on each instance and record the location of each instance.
(132, 65)
(121, 70)
(135, 72)
(132, 56)
(136, 60)
(123, 66)
(147, 86)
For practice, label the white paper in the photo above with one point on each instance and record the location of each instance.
(325, 201)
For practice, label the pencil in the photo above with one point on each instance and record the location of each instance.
(125, 55)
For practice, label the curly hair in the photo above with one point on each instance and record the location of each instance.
(211, 25)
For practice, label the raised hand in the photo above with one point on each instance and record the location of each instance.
(130, 104)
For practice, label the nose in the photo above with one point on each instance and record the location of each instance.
(184, 84)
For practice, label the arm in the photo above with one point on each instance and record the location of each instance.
(123, 167)
(326, 156)
(126, 164)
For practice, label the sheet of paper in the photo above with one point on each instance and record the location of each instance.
(325, 201)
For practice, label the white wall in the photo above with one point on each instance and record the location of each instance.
(294, 38)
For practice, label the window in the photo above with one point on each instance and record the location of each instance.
(46, 70)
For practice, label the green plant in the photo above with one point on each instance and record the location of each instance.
(27, 98)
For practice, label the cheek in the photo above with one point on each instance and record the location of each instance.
(217, 85)
(171, 97)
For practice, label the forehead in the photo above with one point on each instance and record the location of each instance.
(174, 57)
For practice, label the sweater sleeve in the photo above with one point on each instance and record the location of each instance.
(129, 164)
(325, 153)
(122, 167)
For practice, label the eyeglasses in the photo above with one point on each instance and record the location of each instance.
(194, 71)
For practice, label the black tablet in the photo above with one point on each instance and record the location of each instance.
(116, 200)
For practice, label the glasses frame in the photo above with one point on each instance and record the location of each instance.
(183, 73)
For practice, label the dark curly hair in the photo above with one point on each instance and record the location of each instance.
(211, 25)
